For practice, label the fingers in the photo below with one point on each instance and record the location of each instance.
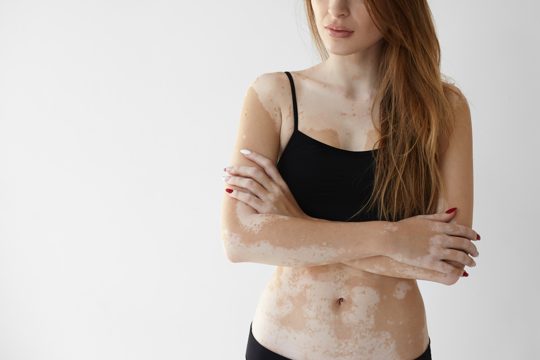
(246, 183)
(266, 164)
(456, 250)
(447, 273)
(459, 267)
(441, 216)
(463, 244)
(247, 198)
(461, 230)
(444, 267)
(458, 256)
(259, 178)
(458, 243)
(450, 278)
(452, 228)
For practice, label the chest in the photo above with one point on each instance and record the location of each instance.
(328, 182)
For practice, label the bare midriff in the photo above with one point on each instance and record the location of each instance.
(339, 312)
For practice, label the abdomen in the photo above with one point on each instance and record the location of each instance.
(337, 312)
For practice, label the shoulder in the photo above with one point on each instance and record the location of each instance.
(260, 117)
(459, 103)
(271, 85)
(270, 81)
(460, 128)
(271, 91)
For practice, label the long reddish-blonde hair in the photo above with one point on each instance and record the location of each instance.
(415, 112)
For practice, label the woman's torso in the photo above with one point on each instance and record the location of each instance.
(300, 315)
(335, 311)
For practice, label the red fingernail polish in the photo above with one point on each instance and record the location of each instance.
(449, 211)
(229, 190)
(465, 274)
(477, 236)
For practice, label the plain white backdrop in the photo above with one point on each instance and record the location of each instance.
(116, 120)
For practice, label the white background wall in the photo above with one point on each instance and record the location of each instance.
(116, 119)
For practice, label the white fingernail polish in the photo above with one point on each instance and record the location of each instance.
(245, 151)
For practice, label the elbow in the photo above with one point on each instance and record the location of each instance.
(235, 241)
(232, 245)
(232, 255)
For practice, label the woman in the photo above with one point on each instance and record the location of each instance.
(371, 147)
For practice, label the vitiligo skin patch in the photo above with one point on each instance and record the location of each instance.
(315, 306)
(335, 312)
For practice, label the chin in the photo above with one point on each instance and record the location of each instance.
(348, 48)
(343, 50)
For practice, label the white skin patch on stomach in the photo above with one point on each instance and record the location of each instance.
(300, 315)
(401, 289)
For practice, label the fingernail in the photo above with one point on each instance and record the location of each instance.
(477, 236)
(245, 151)
(226, 177)
(229, 190)
(465, 274)
(451, 210)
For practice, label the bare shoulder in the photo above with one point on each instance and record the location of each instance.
(462, 117)
(459, 103)
(271, 90)
(260, 119)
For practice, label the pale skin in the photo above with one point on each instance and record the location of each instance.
(340, 290)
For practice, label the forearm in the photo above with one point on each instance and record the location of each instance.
(387, 266)
(293, 241)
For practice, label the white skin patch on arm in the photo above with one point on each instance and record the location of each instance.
(258, 240)
(434, 242)
(264, 252)
(288, 253)
(254, 224)
(401, 289)
(266, 99)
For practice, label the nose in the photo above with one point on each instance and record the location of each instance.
(338, 8)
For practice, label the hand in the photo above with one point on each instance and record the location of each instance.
(263, 189)
(429, 241)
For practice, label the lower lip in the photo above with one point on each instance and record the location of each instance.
(340, 34)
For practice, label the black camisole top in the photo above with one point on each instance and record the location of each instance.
(327, 182)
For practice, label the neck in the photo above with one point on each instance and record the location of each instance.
(356, 74)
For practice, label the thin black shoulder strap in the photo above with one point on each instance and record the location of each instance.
(295, 108)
